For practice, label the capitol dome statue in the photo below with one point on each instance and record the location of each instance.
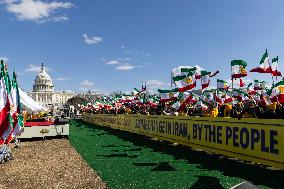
(43, 82)
(43, 91)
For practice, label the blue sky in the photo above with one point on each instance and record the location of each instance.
(114, 45)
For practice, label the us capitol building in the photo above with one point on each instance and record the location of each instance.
(43, 91)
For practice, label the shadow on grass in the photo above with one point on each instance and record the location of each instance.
(207, 182)
(162, 166)
(258, 175)
(119, 155)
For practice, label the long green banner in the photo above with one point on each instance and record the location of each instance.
(256, 140)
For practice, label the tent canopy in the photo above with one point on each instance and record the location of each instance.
(29, 103)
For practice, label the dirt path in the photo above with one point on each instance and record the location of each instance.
(48, 164)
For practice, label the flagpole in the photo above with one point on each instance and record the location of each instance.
(171, 80)
(216, 93)
(270, 70)
(271, 73)
(232, 82)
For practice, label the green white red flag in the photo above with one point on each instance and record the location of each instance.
(15, 111)
(239, 94)
(264, 66)
(275, 71)
(228, 98)
(205, 79)
(168, 95)
(182, 100)
(196, 69)
(222, 85)
(185, 82)
(250, 89)
(278, 90)
(127, 98)
(136, 92)
(5, 118)
(238, 68)
(241, 84)
(257, 85)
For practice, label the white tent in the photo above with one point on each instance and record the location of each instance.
(29, 103)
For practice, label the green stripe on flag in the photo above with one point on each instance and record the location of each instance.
(168, 91)
(238, 62)
(188, 69)
(264, 56)
(279, 83)
(204, 73)
(180, 77)
(221, 81)
(275, 59)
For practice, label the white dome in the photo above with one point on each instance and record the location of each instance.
(43, 75)
(43, 82)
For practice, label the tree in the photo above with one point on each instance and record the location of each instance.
(76, 100)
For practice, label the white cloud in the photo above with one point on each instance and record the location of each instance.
(33, 68)
(69, 91)
(125, 59)
(126, 67)
(60, 18)
(112, 62)
(86, 85)
(92, 40)
(37, 10)
(155, 84)
(63, 78)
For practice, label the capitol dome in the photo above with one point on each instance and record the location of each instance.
(43, 82)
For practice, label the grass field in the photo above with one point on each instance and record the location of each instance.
(125, 160)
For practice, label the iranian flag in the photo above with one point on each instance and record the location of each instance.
(250, 89)
(257, 85)
(208, 95)
(186, 70)
(168, 95)
(278, 91)
(228, 98)
(181, 71)
(219, 99)
(239, 94)
(264, 66)
(127, 98)
(140, 95)
(196, 69)
(135, 92)
(238, 68)
(275, 67)
(195, 98)
(154, 99)
(222, 85)
(205, 79)
(15, 109)
(185, 82)
(182, 100)
(5, 118)
(241, 84)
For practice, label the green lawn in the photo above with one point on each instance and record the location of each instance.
(125, 160)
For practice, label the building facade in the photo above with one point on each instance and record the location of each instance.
(43, 91)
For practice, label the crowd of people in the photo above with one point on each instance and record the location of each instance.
(250, 107)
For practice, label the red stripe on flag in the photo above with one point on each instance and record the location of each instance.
(261, 70)
(185, 103)
(187, 88)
